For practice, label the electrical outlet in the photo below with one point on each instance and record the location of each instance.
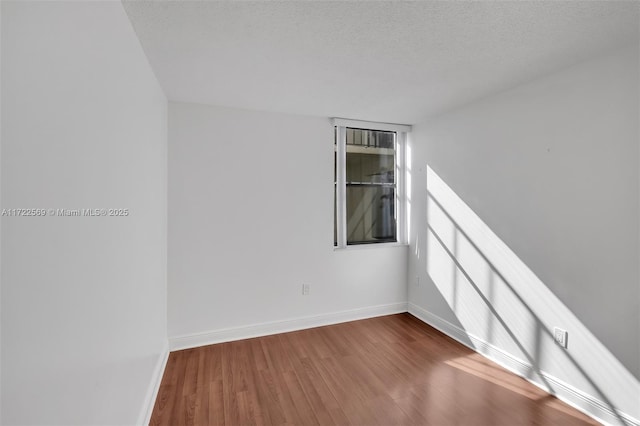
(305, 289)
(417, 281)
(560, 336)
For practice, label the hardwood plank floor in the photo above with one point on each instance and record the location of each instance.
(392, 370)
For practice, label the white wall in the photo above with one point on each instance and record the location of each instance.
(83, 298)
(534, 192)
(251, 220)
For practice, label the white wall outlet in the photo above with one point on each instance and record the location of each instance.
(417, 281)
(305, 289)
(560, 336)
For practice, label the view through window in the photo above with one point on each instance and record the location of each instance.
(369, 186)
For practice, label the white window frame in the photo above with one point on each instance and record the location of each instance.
(401, 130)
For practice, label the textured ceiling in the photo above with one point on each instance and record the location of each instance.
(381, 61)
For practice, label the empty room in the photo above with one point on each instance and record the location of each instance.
(320, 212)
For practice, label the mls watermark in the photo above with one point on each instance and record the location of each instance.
(65, 212)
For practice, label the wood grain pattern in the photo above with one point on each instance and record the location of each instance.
(392, 370)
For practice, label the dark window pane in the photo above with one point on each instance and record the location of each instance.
(370, 176)
(370, 187)
(370, 214)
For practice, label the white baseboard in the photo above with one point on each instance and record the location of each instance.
(274, 327)
(578, 399)
(154, 387)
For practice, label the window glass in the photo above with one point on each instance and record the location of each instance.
(370, 186)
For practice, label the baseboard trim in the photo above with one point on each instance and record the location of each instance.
(576, 398)
(274, 327)
(154, 386)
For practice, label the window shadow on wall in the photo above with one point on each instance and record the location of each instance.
(497, 299)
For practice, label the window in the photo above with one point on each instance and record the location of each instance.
(368, 183)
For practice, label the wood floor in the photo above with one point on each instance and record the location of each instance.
(392, 370)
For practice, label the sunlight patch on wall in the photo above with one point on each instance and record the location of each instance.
(497, 298)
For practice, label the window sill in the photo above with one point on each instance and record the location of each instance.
(370, 246)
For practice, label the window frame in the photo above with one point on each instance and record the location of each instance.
(400, 202)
